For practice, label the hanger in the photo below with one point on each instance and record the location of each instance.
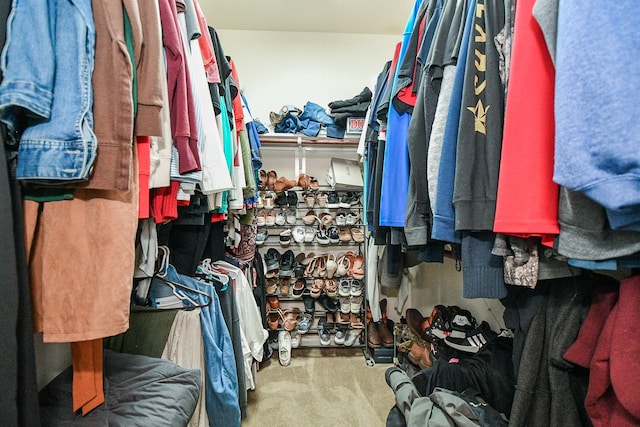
(174, 287)
(163, 261)
(206, 272)
(160, 275)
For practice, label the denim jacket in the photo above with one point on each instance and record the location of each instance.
(46, 94)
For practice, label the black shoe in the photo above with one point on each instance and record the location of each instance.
(282, 200)
(330, 304)
(298, 270)
(309, 304)
(333, 200)
(272, 259)
(333, 234)
(349, 199)
(292, 199)
(286, 263)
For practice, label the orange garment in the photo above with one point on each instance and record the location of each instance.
(527, 199)
(81, 256)
(88, 380)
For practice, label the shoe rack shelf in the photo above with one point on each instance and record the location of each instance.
(290, 156)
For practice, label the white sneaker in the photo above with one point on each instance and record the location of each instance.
(291, 216)
(352, 218)
(309, 234)
(296, 337)
(281, 217)
(298, 234)
(284, 348)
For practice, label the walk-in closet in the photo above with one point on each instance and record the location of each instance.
(363, 213)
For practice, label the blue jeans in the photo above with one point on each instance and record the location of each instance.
(47, 64)
(316, 113)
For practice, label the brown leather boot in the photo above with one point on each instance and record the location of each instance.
(386, 337)
(373, 338)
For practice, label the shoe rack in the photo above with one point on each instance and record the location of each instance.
(325, 288)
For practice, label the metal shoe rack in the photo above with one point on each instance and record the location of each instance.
(289, 156)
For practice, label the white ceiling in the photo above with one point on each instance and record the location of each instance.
(331, 16)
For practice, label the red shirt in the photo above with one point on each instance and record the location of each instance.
(527, 200)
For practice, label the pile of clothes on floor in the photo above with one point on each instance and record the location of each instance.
(314, 118)
(452, 371)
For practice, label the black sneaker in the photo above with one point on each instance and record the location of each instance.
(333, 234)
(468, 339)
(321, 236)
(349, 199)
(282, 200)
(292, 199)
(333, 200)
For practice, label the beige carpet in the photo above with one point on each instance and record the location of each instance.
(321, 387)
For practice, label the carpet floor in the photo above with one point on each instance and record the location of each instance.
(321, 387)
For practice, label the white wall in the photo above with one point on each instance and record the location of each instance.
(279, 68)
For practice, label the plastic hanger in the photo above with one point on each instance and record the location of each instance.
(174, 287)
(206, 271)
(160, 275)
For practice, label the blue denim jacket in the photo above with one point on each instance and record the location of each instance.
(47, 64)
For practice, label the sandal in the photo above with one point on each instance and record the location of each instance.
(274, 302)
(285, 284)
(308, 259)
(331, 265)
(298, 288)
(331, 287)
(344, 263)
(344, 235)
(357, 234)
(272, 287)
(317, 287)
(290, 318)
(311, 266)
(310, 218)
(321, 265)
(325, 219)
(357, 267)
